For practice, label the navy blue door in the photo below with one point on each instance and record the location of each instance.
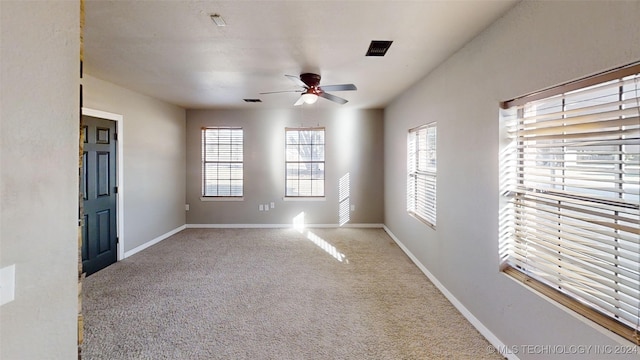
(98, 189)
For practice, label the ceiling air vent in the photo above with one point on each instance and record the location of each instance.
(252, 100)
(378, 47)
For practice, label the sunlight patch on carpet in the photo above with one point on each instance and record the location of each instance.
(298, 224)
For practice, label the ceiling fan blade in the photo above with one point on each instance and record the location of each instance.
(341, 87)
(284, 91)
(333, 98)
(299, 102)
(297, 81)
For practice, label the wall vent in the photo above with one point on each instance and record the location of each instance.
(378, 47)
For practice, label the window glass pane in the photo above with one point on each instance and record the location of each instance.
(304, 157)
(236, 152)
(306, 137)
(211, 171)
(292, 171)
(292, 186)
(304, 187)
(421, 173)
(317, 153)
(317, 171)
(292, 137)
(235, 188)
(224, 171)
(236, 136)
(236, 171)
(317, 187)
(572, 192)
(222, 151)
(211, 152)
(304, 171)
(292, 153)
(224, 188)
(304, 152)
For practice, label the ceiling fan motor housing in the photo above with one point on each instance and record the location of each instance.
(312, 80)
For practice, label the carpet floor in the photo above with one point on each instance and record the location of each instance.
(273, 294)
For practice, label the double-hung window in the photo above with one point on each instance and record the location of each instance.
(222, 162)
(421, 173)
(304, 161)
(570, 210)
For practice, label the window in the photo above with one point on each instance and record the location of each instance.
(570, 178)
(304, 162)
(222, 162)
(421, 168)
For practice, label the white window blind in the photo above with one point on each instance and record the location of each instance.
(421, 168)
(304, 161)
(222, 162)
(571, 178)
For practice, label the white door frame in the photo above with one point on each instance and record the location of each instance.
(120, 173)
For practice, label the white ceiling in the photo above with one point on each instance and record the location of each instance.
(171, 50)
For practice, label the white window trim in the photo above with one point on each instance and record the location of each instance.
(423, 208)
(569, 209)
(203, 196)
(286, 162)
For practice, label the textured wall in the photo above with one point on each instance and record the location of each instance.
(39, 107)
(353, 146)
(535, 46)
(154, 159)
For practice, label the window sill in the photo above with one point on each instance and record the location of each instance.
(304, 198)
(572, 304)
(222, 198)
(421, 219)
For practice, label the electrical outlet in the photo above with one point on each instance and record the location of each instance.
(186, 207)
(353, 207)
(260, 207)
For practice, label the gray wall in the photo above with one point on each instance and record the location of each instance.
(353, 146)
(39, 115)
(154, 159)
(535, 46)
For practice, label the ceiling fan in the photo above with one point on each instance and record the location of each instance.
(311, 89)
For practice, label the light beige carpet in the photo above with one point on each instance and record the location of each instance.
(273, 294)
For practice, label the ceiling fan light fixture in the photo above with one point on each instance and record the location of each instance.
(309, 98)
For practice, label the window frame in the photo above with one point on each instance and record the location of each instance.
(531, 191)
(422, 178)
(322, 163)
(205, 196)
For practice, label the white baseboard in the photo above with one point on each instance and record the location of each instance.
(278, 226)
(237, 226)
(154, 241)
(497, 344)
(372, 226)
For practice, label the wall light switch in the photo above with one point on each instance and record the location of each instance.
(353, 207)
(186, 207)
(260, 207)
(273, 204)
(266, 207)
(7, 284)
